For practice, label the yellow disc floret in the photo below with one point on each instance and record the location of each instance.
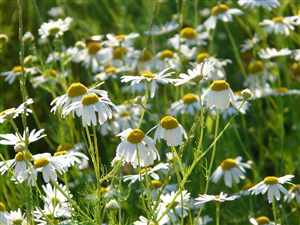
(262, 220)
(93, 47)
(76, 89)
(166, 54)
(228, 164)
(219, 85)
(89, 99)
(169, 122)
(218, 9)
(255, 67)
(147, 74)
(190, 98)
(24, 155)
(188, 33)
(135, 136)
(17, 69)
(38, 163)
(271, 180)
(278, 19)
(202, 56)
(119, 52)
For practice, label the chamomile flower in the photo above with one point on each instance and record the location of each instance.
(13, 113)
(74, 93)
(17, 71)
(136, 148)
(92, 109)
(294, 194)
(21, 165)
(147, 171)
(143, 221)
(280, 25)
(49, 166)
(270, 53)
(109, 72)
(232, 169)
(170, 130)
(55, 28)
(17, 217)
(18, 141)
(167, 59)
(127, 115)
(121, 40)
(153, 78)
(261, 220)
(272, 186)
(190, 103)
(222, 197)
(219, 95)
(157, 30)
(249, 44)
(266, 4)
(221, 12)
(176, 204)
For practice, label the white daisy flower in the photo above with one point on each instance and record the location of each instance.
(136, 148)
(272, 186)
(250, 43)
(266, 4)
(17, 71)
(147, 171)
(261, 220)
(51, 215)
(49, 166)
(232, 169)
(143, 221)
(189, 36)
(279, 25)
(127, 115)
(75, 92)
(18, 141)
(17, 217)
(168, 27)
(21, 165)
(222, 197)
(28, 37)
(189, 103)
(13, 113)
(179, 208)
(219, 95)
(269, 53)
(221, 12)
(92, 109)
(170, 130)
(55, 28)
(167, 59)
(294, 194)
(109, 72)
(153, 78)
(121, 40)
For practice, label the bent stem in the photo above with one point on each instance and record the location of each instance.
(213, 152)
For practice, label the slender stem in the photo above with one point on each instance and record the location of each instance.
(218, 205)
(213, 152)
(235, 50)
(274, 211)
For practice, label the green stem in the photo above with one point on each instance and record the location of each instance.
(218, 205)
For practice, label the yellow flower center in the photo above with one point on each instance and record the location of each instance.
(120, 37)
(188, 33)
(51, 73)
(295, 68)
(89, 99)
(60, 153)
(145, 56)
(262, 220)
(64, 147)
(54, 30)
(256, 66)
(125, 114)
(93, 47)
(3, 38)
(271, 180)
(278, 19)
(147, 74)
(202, 56)
(247, 186)
(17, 69)
(190, 98)
(103, 190)
(135, 136)
(24, 155)
(227, 164)
(38, 163)
(110, 70)
(169, 122)
(144, 170)
(166, 54)
(76, 89)
(218, 9)
(282, 90)
(219, 85)
(2, 207)
(119, 52)
(156, 183)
